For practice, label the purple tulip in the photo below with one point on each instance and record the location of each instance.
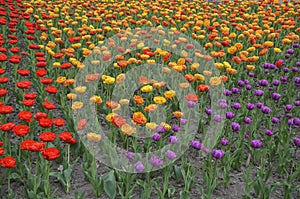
(217, 153)
(288, 115)
(227, 92)
(241, 83)
(273, 66)
(139, 167)
(129, 155)
(298, 64)
(229, 115)
(160, 129)
(256, 144)
(297, 102)
(296, 121)
(266, 110)
(276, 82)
(263, 82)
(234, 90)
(175, 128)
(297, 141)
(235, 126)
(247, 120)
(217, 118)
(223, 101)
(248, 87)
(275, 120)
(246, 81)
(283, 79)
(224, 142)
(156, 161)
(287, 55)
(171, 155)
(276, 96)
(251, 74)
(297, 80)
(290, 122)
(290, 51)
(183, 121)
(236, 105)
(269, 132)
(173, 139)
(296, 45)
(288, 107)
(247, 135)
(266, 71)
(156, 137)
(259, 93)
(196, 144)
(208, 111)
(295, 70)
(259, 105)
(223, 105)
(250, 106)
(191, 104)
(286, 70)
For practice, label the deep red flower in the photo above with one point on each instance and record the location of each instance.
(25, 84)
(1, 151)
(46, 81)
(51, 89)
(3, 50)
(14, 50)
(39, 115)
(25, 145)
(39, 54)
(8, 162)
(14, 60)
(66, 65)
(21, 130)
(2, 71)
(3, 92)
(41, 72)
(41, 64)
(3, 57)
(32, 145)
(33, 46)
(13, 41)
(279, 63)
(48, 105)
(6, 109)
(1, 143)
(58, 55)
(41, 59)
(45, 122)
(47, 136)
(28, 102)
(25, 116)
(67, 137)
(50, 153)
(59, 122)
(29, 95)
(23, 72)
(4, 80)
(7, 127)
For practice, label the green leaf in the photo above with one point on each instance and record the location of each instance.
(110, 186)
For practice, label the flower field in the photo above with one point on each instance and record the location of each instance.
(149, 99)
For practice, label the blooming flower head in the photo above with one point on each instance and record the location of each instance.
(171, 155)
(217, 153)
(256, 144)
(196, 144)
(156, 161)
